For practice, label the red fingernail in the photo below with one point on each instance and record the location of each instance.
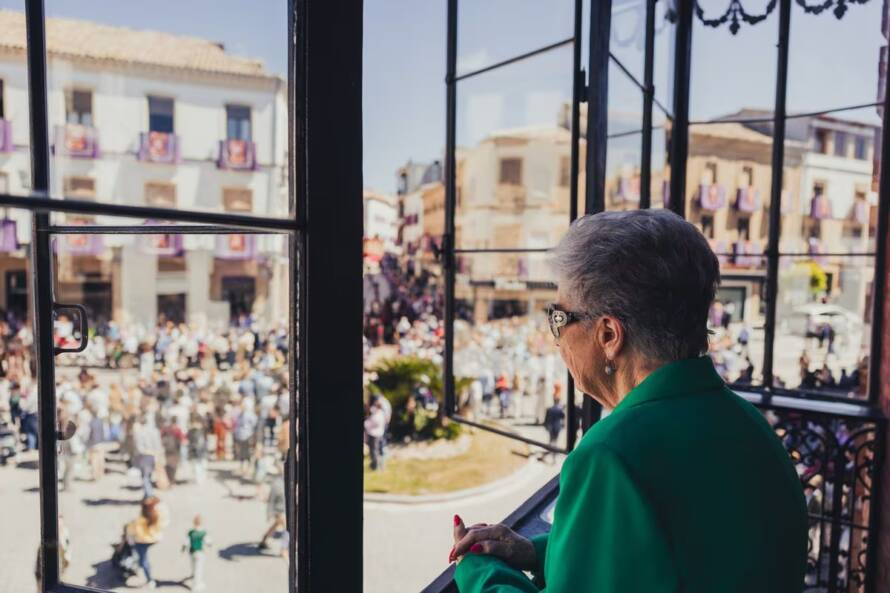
(456, 520)
(476, 548)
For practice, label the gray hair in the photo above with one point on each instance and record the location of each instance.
(650, 269)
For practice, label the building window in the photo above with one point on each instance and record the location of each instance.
(160, 194)
(840, 144)
(236, 199)
(79, 107)
(707, 225)
(748, 176)
(80, 188)
(821, 141)
(818, 188)
(565, 171)
(743, 225)
(2, 103)
(511, 171)
(238, 123)
(160, 115)
(710, 173)
(861, 148)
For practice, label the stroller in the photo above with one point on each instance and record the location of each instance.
(124, 558)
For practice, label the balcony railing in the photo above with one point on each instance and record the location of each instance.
(836, 449)
(75, 140)
(5, 135)
(159, 147)
(820, 207)
(747, 199)
(235, 247)
(711, 197)
(510, 197)
(627, 191)
(748, 254)
(237, 155)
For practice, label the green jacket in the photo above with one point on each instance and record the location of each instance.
(684, 487)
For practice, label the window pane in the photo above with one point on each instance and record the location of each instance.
(485, 36)
(663, 71)
(15, 126)
(831, 192)
(628, 28)
(513, 130)
(824, 324)
(625, 103)
(849, 48)
(181, 394)
(166, 95)
(623, 167)
(733, 75)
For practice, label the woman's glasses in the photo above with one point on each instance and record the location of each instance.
(558, 319)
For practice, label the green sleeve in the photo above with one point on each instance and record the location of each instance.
(540, 544)
(605, 537)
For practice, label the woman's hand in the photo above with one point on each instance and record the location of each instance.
(495, 540)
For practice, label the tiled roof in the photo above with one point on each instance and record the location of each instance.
(85, 40)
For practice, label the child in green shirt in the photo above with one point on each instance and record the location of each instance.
(197, 542)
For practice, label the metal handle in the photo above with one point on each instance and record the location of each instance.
(84, 328)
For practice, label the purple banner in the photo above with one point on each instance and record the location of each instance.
(860, 212)
(628, 190)
(237, 155)
(720, 248)
(8, 238)
(747, 199)
(236, 246)
(158, 147)
(79, 244)
(76, 141)
(711, 196)
(814, 248)
(5, 135)
(666, 192)
(747, 254)
(820, 207)
(164, 245)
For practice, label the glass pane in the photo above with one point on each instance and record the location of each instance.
(19, 424)
(732, 74)
(823, 325)
(502, 341)
(628, 40)
(485, 36)
(15, 123)
(514, 139)
(139, 97)
(181, 397)
(663, 66)
(625, 102)
(832, 169)
(850, 48)
(623, 170)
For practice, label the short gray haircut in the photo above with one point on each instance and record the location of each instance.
(652, 270)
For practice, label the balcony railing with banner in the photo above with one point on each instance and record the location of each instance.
(748, 254)
(836, 449)
(75, 140)
(158, 147)
(237, 155)
(820, 207)
(627, 191)
(711, 197)
(5, 135)
(747, 200)
(860, 212)
(236, 246)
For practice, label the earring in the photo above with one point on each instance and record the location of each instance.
(609, 368)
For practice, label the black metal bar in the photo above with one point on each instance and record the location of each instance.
(157, 229)
(680, 128)
(330, 81)
(505, 250)
(39, 200)
(775, 211)
(597, 126)
(575, 165)
(627, 72)
(769, 120)
(295, 498)
(509, 434)
(448, 238)
(42, 297)
(648, 97)
(514, 59)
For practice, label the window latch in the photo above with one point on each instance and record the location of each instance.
(62, 342)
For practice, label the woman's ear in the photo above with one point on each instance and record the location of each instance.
(610, 335)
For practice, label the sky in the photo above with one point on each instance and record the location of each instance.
(832, 63)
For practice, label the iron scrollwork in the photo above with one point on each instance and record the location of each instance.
(736, 14)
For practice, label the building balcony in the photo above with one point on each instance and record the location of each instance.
(235, 247)
(158, 147)
(627, 191)
(820, 208)
(711, 197)
(747, 200)
(76, 141)
(510, 198)
(747, 254)
(237, 155)
(5, 135)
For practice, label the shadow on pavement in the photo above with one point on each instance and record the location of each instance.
(104, 577)
(94, 502)
(246, 550)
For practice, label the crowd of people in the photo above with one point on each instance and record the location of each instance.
(191, 396)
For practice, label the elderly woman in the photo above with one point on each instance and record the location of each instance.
(683, 487)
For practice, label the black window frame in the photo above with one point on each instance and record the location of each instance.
(328, 478)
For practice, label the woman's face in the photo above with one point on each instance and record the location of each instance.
(583, 357)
